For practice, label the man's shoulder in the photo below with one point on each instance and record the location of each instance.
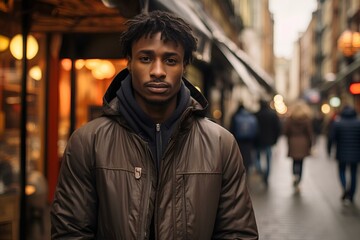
(98, 124)
(212, 127)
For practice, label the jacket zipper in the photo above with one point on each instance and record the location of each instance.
(144, 231)
(158, 162)
(158, 144)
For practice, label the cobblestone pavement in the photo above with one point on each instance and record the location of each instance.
(314, 213)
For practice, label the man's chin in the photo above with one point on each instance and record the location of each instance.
(158, 102)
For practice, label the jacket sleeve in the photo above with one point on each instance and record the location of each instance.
(74, 209)
(235, 216)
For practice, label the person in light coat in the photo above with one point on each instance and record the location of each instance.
(299, 132)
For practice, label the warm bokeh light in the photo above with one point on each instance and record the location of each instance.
(16, 47)
(280, 107)
(217, 114)
(66, 64)
(35, 73)
(104, 69)
(92, 63)
(349, 43)
(279, 104)
(30, 190)
(278, 98)
(79, 64)
(4, 43)
(325, 108)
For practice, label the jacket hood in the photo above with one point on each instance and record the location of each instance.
(348, 112)
(111, 104)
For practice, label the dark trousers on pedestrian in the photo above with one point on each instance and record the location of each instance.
(264, 171)
(349, 191)
(246, 149)
(297, 169)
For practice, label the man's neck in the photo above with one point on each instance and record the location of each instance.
(159, 113)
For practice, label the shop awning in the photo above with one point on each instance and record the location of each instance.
(257, 72)
(341, 76)
(261, 76)
(241, 70)
(183, 10)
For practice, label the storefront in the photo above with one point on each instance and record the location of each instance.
(44, 96)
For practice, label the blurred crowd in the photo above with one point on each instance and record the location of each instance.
(258, 131)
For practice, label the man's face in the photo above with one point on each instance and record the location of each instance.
(156, 68)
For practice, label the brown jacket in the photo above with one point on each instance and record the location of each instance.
(108, 186)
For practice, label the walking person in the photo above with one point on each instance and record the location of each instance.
(345, 135)
(244, 126)
(153, 166)
(268, 134)
(299, 133)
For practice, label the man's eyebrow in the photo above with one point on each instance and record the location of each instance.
(151, 52)
(148, 52)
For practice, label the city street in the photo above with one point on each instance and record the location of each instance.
(316, 212)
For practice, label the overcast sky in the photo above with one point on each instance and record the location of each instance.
(290, 18)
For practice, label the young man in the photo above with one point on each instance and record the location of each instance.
(153, 167)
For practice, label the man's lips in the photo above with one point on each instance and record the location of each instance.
(157, 87)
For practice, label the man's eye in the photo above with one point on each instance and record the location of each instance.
(145, 59)
(171, 61)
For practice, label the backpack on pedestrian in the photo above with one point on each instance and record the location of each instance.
(244, 125)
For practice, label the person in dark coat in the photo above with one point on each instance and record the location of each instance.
(299, 132)
(268, 134)
(345, 134)
(244, 126)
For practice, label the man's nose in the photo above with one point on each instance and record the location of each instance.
(157, 69)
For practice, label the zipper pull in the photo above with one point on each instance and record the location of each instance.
(137, 172)
(158, 127)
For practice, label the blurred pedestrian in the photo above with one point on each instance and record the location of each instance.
(299, 132)
(328, 129)
(268, 134)
(244, 126)
(345, 135)
(153, 166)
(318, 121)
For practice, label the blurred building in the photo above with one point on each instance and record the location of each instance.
(327, 57)
(346, 60)
(308, 52)
(257, 37)
(282, 66)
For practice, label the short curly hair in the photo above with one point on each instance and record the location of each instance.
(172, 28)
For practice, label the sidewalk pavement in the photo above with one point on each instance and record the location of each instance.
(316, 212)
